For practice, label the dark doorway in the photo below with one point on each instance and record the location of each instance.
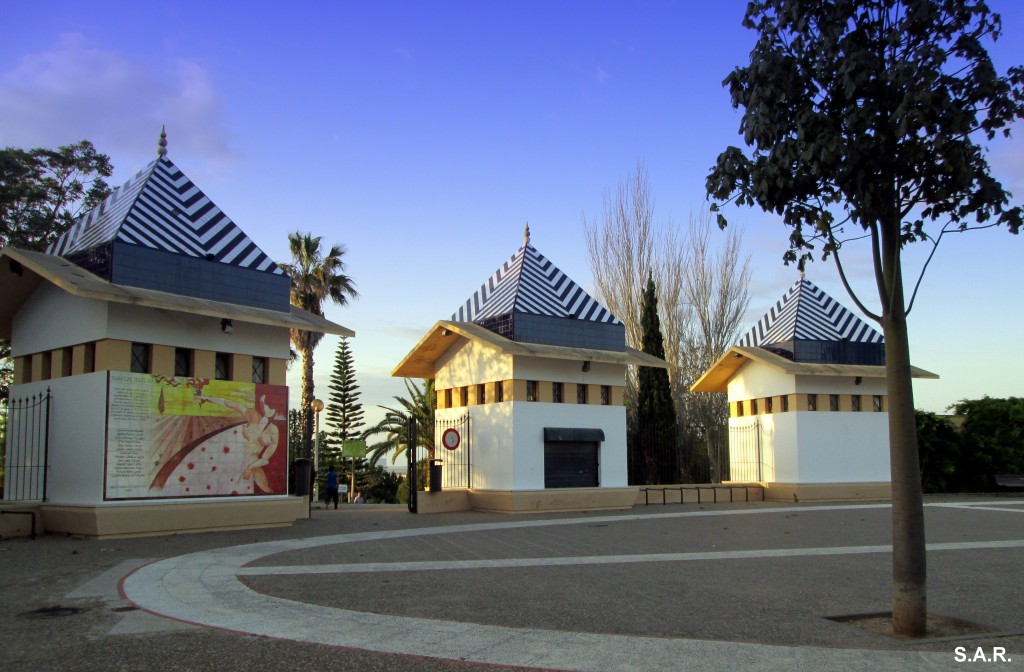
(571, 464)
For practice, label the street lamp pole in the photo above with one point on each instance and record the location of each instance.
(317, 406)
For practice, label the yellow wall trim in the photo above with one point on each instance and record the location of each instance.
(515, 390)
(115, 355)
(742, 408)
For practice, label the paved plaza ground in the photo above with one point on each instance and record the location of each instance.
(683, 587)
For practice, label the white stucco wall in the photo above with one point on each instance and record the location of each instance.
(507, 441)
(568, 371)
(508, 437)
(471, 363)
(755, 380)
(813, 447)
(77, 441)
(200, 332)
(842, 447)
(529, 421)
(839, 385)
(54, 319)
(490, 443)
(810, 446)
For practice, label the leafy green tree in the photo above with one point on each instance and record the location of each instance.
(43, 191)
(344, 410)
(993, 440)
(864, 118)
(655, 411)
(380, 486)
(941, 450)
(394, 426)
(6, 372)
(316, 277)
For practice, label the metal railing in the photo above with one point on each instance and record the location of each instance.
(26, 453)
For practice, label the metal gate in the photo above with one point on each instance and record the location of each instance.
(456, 470)
(746, 461)
(26, 455)
(453, 465)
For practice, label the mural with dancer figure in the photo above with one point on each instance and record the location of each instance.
(194, 437)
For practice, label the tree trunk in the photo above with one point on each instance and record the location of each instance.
(307, 399)
(909, 604)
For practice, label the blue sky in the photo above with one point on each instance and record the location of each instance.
(422, 135)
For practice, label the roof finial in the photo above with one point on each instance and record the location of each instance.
(162, 145)
(526, 235)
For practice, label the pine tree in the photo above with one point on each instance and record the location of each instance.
(655, 412)
(344, 410)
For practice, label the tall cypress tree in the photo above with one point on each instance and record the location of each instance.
(655, 413)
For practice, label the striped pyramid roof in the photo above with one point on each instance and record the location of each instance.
(530, 283)
(160, 208)
(806, 312)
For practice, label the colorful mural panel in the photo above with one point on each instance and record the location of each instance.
(194, 437)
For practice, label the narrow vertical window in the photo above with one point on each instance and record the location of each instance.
(531, 390)
(833, 402)
(448, 398)
(785, 403)
(481, 394)
(876, 403)
(90, 358)
(140, 358)
(259, 370)
(768, 405)
(182, 362)
(581, 394)
(222, 366)
(464, 396)
(606, 395)
(46, 366)
(739, 409)
(65, 362)
(812, 402)
(753, 406)
(855, 403)
(499, 391)
(556, 392)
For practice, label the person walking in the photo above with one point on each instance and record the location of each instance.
(331, 485)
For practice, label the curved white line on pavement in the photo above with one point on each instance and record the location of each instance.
(506, 563)
(203, 588)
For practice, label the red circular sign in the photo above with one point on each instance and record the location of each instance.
(451, 439)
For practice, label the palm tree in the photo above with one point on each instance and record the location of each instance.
(315, 278)
(395, 423)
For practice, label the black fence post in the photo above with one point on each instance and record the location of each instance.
(411, 456)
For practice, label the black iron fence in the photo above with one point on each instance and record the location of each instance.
(26, 456)
(670, 457)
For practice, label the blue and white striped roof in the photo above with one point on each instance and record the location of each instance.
(161, 208)
(805, 312)
(530, 283)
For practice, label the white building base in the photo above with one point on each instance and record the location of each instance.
(153, 519)
(527, 501)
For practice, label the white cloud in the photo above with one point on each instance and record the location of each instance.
(77, 89)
